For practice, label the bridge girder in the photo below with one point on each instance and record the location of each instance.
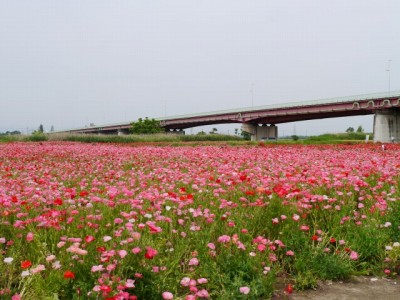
(290, 112)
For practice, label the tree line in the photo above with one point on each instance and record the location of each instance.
(351, 129)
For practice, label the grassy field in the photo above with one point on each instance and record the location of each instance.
(95, 138)
(164, 139)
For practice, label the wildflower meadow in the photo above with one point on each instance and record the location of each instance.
(96, 221)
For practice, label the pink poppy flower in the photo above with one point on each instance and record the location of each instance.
(50, 258)
(29, 237)
(353, 255)
(202, 280)
(122, 253)
(211, 246)
(194, 262)
(98, 268)
(224, 239)
(261, 247)
(203, 294)
(167, 295)
(38, 269)
(130, 283)
(290, 253)
(304, 228)
(185, 281)
(107, 238)
(136, 250)
(244, 290)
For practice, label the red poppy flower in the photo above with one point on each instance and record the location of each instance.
(332, 240)
(105, 288)
(89, 238)
(101, 249)
(26, 264)
(289, 289)
(69, 275)
(150, 253)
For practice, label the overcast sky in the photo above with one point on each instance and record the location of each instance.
(71, 63)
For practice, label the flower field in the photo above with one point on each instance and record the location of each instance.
(92, 221)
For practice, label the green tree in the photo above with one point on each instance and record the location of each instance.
(360, 129)
(295, 137)
(246, 136)
(40, 129)
(213, 131)
(350, 129)
(146, 126)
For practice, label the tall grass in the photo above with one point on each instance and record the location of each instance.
(93, 138)
(9, 138)
(328, 138)
(351, 136)
(37, 137)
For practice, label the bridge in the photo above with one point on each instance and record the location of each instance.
(260, 121)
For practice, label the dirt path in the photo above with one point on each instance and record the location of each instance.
(364, 288)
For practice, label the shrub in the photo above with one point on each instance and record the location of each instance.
(36, 137)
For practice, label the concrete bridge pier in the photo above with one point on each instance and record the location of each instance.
(387, 126)
(123, 131)
(263, 132)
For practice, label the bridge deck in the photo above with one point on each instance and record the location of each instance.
(271, 114)
(325, 101)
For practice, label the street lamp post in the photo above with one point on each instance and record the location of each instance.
(252, 94)
(388, 70)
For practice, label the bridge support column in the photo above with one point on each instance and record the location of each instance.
(122, 132)
(387, 126)
(259, 133)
